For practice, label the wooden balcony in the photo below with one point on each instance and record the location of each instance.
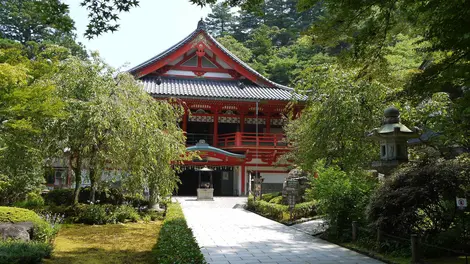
(245, 140)
(242, 141)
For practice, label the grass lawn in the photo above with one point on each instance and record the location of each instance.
(97, 244)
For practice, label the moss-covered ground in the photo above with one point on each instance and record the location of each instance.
(98, 244)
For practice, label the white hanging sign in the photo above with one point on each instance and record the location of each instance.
(461, 203)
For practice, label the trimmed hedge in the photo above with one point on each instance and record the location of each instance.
(279, 212)
(269, 196)
(43, 231)
(276, 200)
(176, 243)
(19, 252)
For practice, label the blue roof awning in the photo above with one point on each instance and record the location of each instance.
(203, 146)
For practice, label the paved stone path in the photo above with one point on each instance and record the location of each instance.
(231, 235)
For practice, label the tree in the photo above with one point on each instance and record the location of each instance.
(333, 124)
(112, 123)
(29, 103)
(220, 21)
(39, 21)
(236, 47)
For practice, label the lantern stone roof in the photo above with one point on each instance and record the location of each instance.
(200, 66)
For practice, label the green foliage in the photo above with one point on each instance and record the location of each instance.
(333, 124)
(237, 48)
(103, 15)
(279, 212)
(59, 197)
(29, 103)
(100, 214)
(18, 252)
(176, 243)
(420, 196)
(220, 21)
(33, 201)
(268, 196)
(274, 211)
(276, 200)
(111, 121)
(42, 230)
(29, 20)
(341, 196)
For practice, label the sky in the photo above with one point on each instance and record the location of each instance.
(143, 33)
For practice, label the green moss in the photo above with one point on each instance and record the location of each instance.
(102, 244)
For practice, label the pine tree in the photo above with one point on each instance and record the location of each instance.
(220, 21)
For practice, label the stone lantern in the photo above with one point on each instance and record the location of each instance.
(393, 137)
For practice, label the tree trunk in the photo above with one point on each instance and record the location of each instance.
(78, 179)
(153, 199)
(93, 184)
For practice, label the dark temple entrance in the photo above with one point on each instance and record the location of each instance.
(222, 181)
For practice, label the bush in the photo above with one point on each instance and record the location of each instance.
(42, 230)
(19, 252)
(176, 243)
(280, 212)
(303, 210)
(268, 196)
(274, 211)
(341, 196)
(100, 214)
(276, 200)
(125, 212)
(65, 196)
(59, 197)
(420, 198)
(33, 201)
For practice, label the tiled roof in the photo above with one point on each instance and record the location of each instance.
(201, 28)
(206, 88)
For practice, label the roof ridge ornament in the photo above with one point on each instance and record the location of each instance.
(201, 25)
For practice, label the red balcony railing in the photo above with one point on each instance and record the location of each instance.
(251, 140)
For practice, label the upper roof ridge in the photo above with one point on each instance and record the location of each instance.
(201, 25)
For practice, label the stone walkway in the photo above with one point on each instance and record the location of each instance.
(230, 235)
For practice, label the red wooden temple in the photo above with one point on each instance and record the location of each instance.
(233, 114)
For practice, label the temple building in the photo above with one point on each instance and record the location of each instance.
(233, 114)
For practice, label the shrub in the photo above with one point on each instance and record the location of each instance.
(420, 198)
(276, 200)
(176, 243)
(100, 214)
(281, 213)
(125, 212)
(268, 196)
(341, 196)
(270, 210)
(301, 210)
(33, 201)
(97, 214)
(42, 230)
(136, 200)
(19, 252)
(59, 197)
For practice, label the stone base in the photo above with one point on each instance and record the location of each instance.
(205, 194)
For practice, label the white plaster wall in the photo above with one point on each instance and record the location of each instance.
(273, 177)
